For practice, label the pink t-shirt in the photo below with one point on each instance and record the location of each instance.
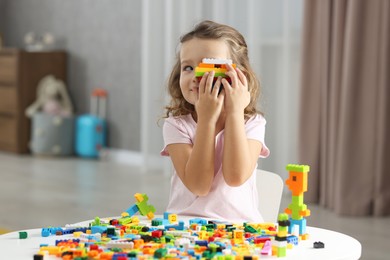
(223, 202)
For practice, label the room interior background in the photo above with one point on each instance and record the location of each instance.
(128, 48)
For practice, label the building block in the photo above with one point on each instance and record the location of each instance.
(318, 244)
(172, 218)
(132, 210)
(45, 232)
(144, 208)
(22, 235)
(216, 65)
(267, 248)
(141, 206)
(291, 239)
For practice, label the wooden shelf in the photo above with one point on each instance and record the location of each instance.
(20, 72)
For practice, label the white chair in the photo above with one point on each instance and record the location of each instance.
(270, 189)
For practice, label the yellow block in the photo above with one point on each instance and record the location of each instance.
(172, 218)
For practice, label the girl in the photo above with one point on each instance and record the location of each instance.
(214, 139)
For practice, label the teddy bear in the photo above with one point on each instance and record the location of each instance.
(52, 98)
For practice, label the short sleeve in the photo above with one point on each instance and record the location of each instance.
(174, 131)
(255, 129)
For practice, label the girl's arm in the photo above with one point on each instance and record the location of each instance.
(195, 164)
(240, 154)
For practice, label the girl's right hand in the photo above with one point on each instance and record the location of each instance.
(209, 104)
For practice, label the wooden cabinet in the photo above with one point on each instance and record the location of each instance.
(20, 72)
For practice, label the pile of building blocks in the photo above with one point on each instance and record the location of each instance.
(129, 237)
(167, 237)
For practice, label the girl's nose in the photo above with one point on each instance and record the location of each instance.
(194, 78)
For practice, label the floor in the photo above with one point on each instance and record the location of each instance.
(43, 191)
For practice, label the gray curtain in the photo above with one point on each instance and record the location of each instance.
(345, 113)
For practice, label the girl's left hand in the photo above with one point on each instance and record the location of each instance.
(237, 95)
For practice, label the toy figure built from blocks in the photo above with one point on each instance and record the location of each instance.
(216, 65)
(297, 183)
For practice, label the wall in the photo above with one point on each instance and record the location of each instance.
(102, 39)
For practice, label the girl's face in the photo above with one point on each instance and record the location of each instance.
(191, 54)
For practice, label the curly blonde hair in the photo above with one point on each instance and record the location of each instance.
(239, 54)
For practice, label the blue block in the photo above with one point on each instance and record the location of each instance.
(132, 210)
(292, 240)
(201, 243)
(166, 214)
(45, 232)
(179, 226)
(301, 223)
(98, 229)
(200, 221)
(53, 230)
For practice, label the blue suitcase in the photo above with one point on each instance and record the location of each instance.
(90, 135)
(91, 129)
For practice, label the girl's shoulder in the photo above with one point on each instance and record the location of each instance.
(180, 120)
(256, 119)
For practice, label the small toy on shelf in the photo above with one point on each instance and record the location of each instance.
(52, 98)
(35, 42)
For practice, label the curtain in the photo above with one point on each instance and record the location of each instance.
(344, 123)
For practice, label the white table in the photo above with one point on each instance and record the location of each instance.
(337, 245)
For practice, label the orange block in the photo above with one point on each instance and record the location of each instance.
(297, 182)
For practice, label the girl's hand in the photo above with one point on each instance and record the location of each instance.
(237, 95)
(209, 104)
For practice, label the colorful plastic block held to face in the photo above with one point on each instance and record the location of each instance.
(216, 65)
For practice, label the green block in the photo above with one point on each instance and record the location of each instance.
(297, 168)
(110, 231)
(132, 254)
(281, 252)
(96, 222)
(251, 229)
(282, 217)
(297, 200)
(22, 235)
(125, 220)
(157, 222)
(217, 74)
(282, 228)
(160, 253)
(213, 247)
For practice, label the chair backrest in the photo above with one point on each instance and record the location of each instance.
(270, 189)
